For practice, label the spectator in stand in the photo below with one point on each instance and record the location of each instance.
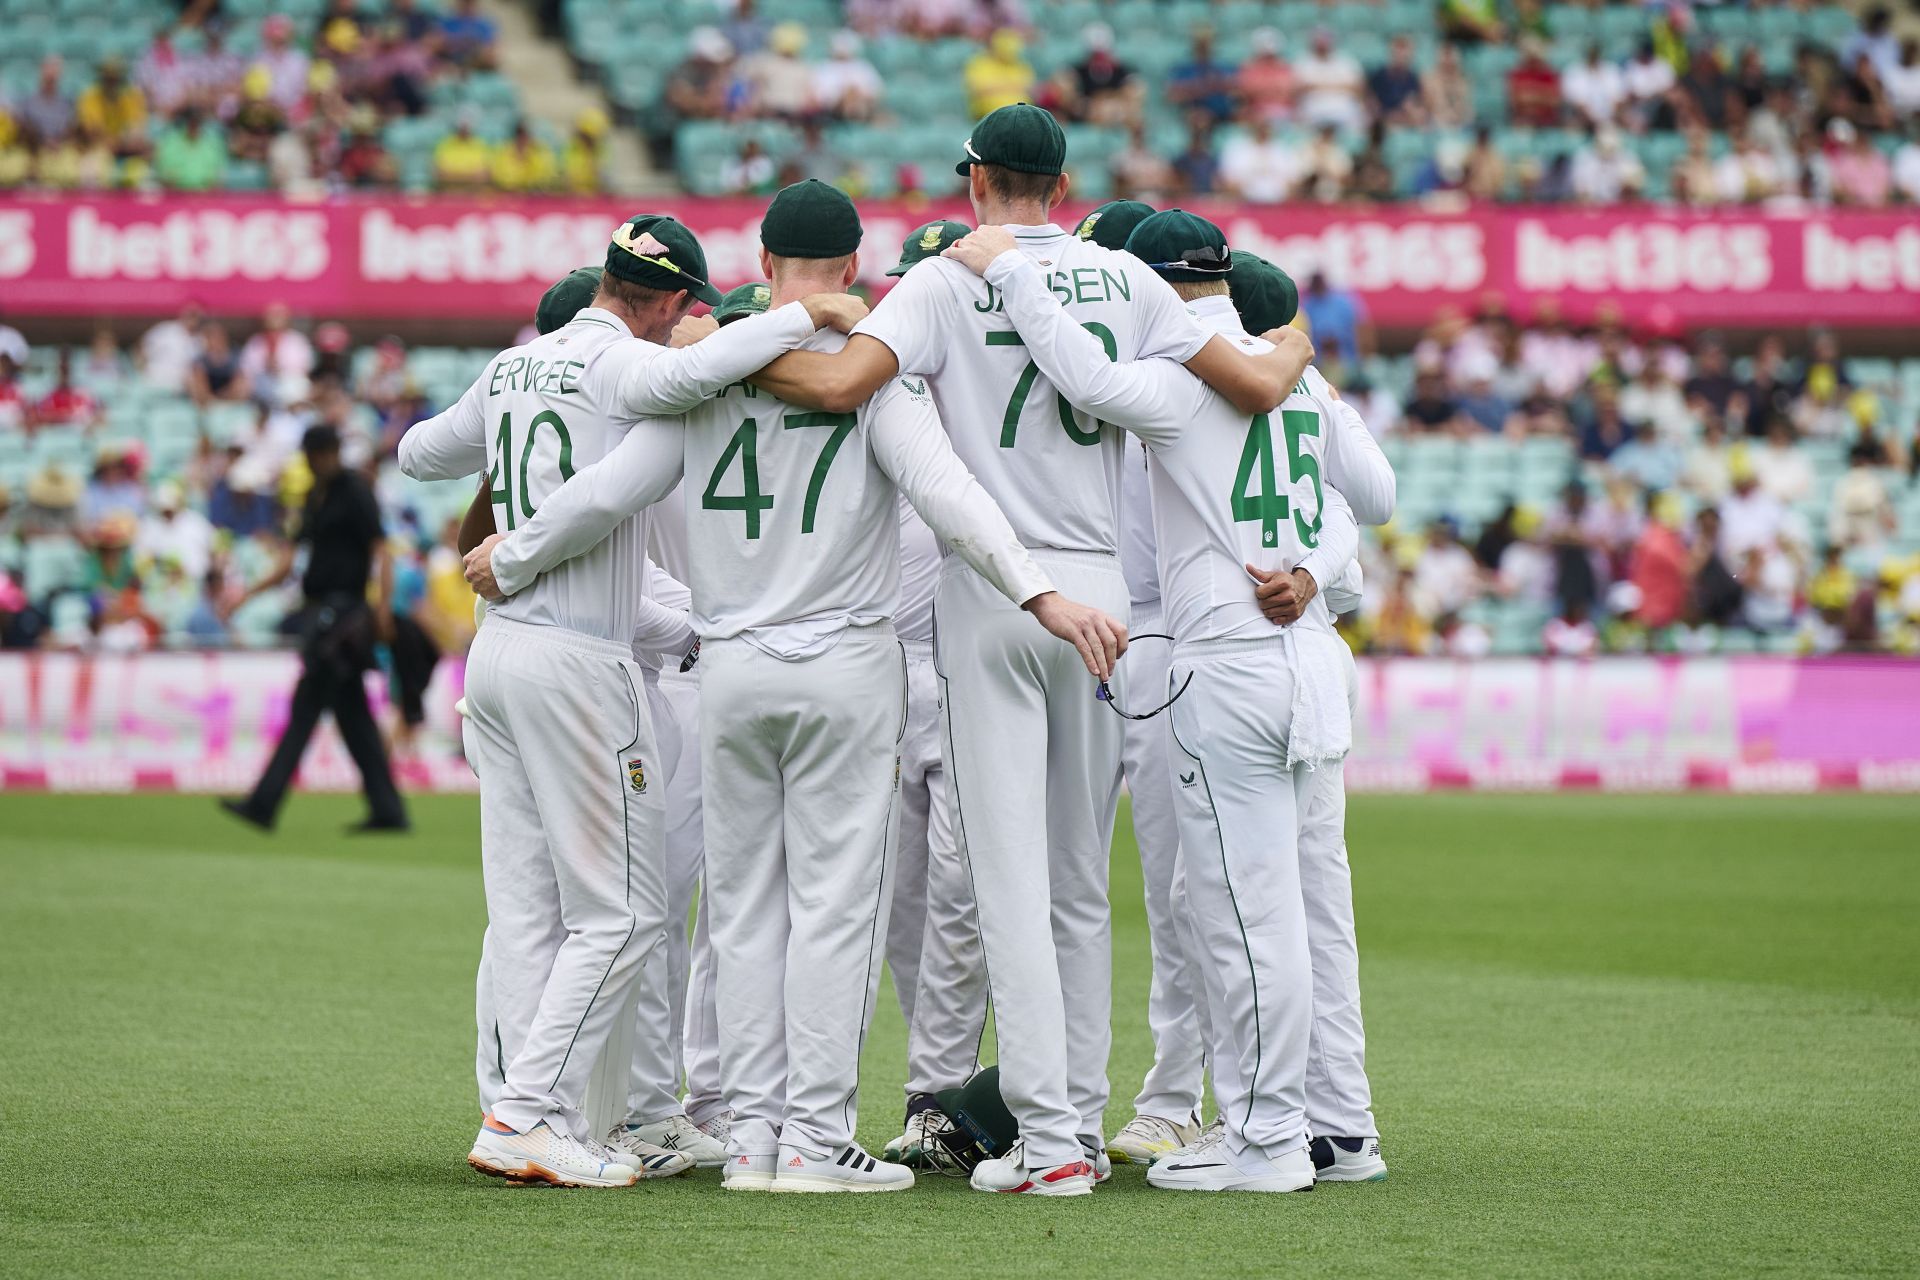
(398, 75)
(1484, 175)
(779, 81)
(1705, 93)
(1433, 410)
(523, 162)
(256, 121)
(1445, 576)
(999, 75)
(1695, 179)
(1862, 513)
(163, 75)
(1140, 172)
(1660, 567)
(364, 160)
(278, 360)
(846, 86)
(1265, 82)
(1595, 88)
(745, 30)
(583, 157)
(1602, 430)
(1107, 91)
(701, 88)
(1201, 83)
(216, 71)
(1533, 87)
(1257, 167)
(1903, 81)
(1782, 469)
(462, 160)
(1653, 397)
(1605, 172)
(1649, 82)
(1874, 41)
(286, 63)
(104, 370)
(1339, 314)
(65, 404)
(1478, 402)
(748, 173)
(1198, 166)
(1860, 173)
(48, 112)
(1373, 178)
(1649, 461)
(115, 109)
(1394, 87)
(1748, 173)
(168, 350)
(1447, 92)
(1326, 167)
(1905, 171)
(1332, 86)
(467, 35)
(115, 487)
(174, 533)
(192, 156)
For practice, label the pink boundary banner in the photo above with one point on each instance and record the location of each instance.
(205, 723)
(418, 257)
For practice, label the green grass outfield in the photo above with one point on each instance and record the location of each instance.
(1609, 1035)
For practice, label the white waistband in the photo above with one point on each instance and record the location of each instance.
(563, 636)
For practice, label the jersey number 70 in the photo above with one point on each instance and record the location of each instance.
(1269, 506)
(745, 445)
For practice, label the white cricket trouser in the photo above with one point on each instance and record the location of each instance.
(1239, 804)
(695, 1022)
(1173, 1084)
(1033, 761)
(933, 939)
(801, 763)
(570, 837)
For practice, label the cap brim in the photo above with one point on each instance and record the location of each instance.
(901, 269)
(706, 293)
(964, 167)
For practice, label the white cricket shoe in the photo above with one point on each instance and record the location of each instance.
(1215, 1130)
(544, 1155)
(1347, 1160)
(917, 1147)
(848, 1169)
(677, 1133)
(748, 1171)
(719, 1127)
(1147, 1138)
(1209, 1166)
(648, 1161)
(1098, 1158)
(1010, 1175)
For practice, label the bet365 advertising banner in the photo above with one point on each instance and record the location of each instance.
(207, 721)
(416, 257)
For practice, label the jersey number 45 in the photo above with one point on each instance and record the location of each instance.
(1269, 506)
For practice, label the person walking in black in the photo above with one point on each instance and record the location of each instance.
(340, 527)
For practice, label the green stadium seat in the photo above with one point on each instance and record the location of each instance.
(56, 563)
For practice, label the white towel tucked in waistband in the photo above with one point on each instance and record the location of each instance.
(1322, 728)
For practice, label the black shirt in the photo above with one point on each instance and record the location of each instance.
(341, 526)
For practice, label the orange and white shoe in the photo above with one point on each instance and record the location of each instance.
(1010, 1175)
(543, 1155)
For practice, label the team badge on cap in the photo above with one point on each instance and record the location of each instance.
(930, 238)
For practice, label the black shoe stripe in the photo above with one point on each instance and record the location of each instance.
(844, 1157)
(870, 1164)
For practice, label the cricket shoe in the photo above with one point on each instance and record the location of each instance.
(1347, 1160)
(1215, 1130)
(1147, 1138)
(848, 1169)
(649, 1161)
(748, 1171)
(1098, 1158)
(677, 1133)
(1010, 1175)
(719, 1126)
(544, 1155)
(1209, 1166)
(918, 1147)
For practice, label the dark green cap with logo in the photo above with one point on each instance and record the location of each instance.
(654, 251)
(746, 300)
(811, 219)
(1111, 224)
(1181, 246)
(927, 242)
(565, 299)
(1264, 295)
(1022, 137)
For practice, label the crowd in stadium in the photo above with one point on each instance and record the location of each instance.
(1562, 490)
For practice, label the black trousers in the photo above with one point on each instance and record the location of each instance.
(330, 681)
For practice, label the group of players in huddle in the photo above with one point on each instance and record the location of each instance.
(907, 550)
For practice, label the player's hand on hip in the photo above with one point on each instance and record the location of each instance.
(978, 248)
(479, 569)
(839, 311)
(1283, 596)
(691, 329)
(1099, 637)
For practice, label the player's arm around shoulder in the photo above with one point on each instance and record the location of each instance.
(651, 379)
(1355, 463)
(1254, 382)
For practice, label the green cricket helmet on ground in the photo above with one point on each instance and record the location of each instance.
(1109, 225)
(982, 1128)
(743, 300)
(1264, 295)
(567, 297)
(928, 241)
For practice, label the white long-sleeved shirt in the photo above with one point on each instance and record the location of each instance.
(1228, 490)
(794, 534)
(1054, 471)
(662, 629)
(546, 410)
(920, 558)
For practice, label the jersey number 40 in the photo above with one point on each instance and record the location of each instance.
(1269, 506)
(500, 480)
(752, 501)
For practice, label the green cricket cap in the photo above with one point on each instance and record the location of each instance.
(811, 219)
(1181, 246)
(746, 300)
(1021, 137)
(1264, 295)
(927, 242)
(656, 252)
(1111, 224)
(566, 297)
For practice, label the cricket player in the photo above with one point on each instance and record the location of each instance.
(795, 574)
(1257, 709)
(933, 937)
(1032, 757)
(562, 738)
